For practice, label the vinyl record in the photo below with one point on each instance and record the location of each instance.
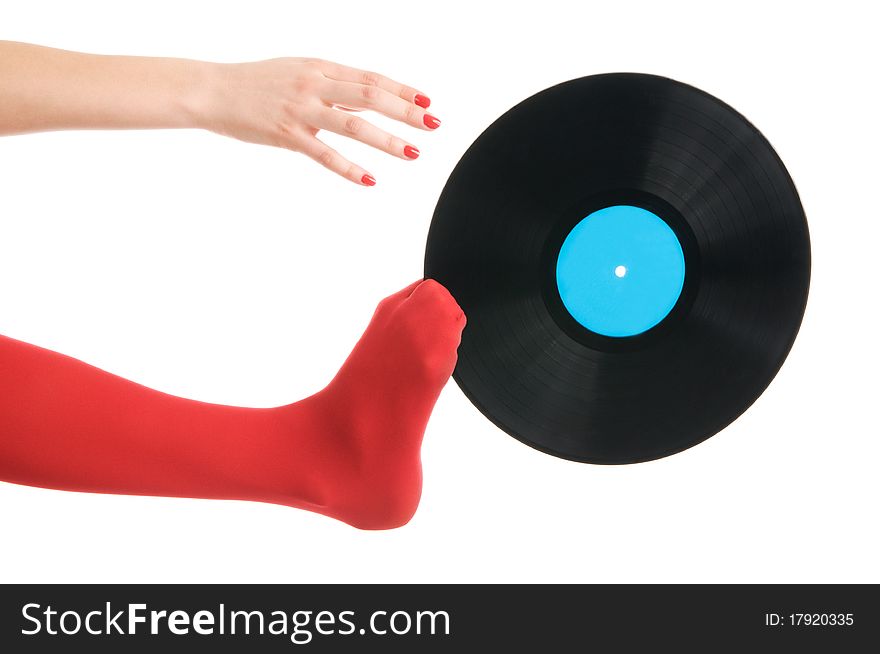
(633, 261)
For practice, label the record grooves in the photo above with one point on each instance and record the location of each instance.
(599, 366)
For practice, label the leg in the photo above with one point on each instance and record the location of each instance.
(351, 451)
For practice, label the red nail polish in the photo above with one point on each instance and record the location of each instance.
(368, 180)
(411, 152)
(422, 100)
(431, 122)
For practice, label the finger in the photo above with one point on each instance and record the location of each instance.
(361, 130)
(363, 96)
(367, 78)
(332, 160)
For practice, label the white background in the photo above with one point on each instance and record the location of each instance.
(241, 274)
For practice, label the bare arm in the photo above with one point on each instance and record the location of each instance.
(280, 102)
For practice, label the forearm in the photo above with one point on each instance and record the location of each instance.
(47, 89)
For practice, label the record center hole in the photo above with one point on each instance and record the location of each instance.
(620, 271)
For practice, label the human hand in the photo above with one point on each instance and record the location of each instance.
(286, 102)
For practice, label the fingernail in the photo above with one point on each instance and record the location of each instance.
(411, 152)
(422, 100)
(368, 180)
(431, 122)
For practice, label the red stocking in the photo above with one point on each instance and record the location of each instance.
(351, 451)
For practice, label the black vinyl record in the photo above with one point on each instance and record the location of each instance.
(630, 140)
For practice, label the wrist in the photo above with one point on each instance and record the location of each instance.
(203, 95)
